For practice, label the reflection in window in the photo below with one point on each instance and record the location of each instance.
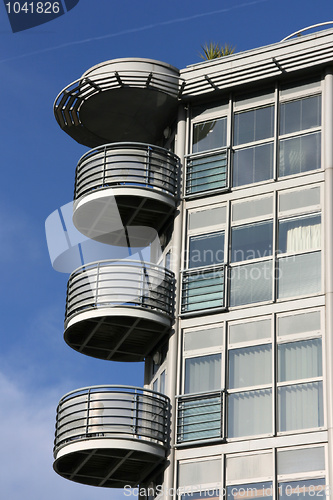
(254, 125)
(203, 374)
(300, 154)
(300, 235)
(252, 241)
(253, 164)
(206, 250)
(250, 366)
(210, 134)
(300, 115)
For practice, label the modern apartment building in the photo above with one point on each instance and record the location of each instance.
(227, 167)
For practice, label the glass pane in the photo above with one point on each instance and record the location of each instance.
(250, 366)
(300, 406)
(252, 241)
(249, 209)
(210, 216)
(250, 413)
(299, 275)
(299, 235)
(252, 490)
(201, 472)
(300, 154)
(251, 466)
(253, 125)
(250, 331)
(301, 460)
(201, 339)
(206, 249)
(254, 164)
(251, 283)
(293, 200)
(300, 115)
(210, 134)
(212, 494)
(162, 382)
(203, 374)
(294, 490)
(299, 360)
(299, 323)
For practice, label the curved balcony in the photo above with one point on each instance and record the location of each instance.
(118, 310)
(124, 184)
(111, 436)
(120, 100)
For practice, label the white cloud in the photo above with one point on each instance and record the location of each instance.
(26, 437)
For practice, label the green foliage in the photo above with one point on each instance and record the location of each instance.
(213, 50)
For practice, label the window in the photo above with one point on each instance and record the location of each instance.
(206, 250)
(300, 274)
(204, 278)
(200, 409)
(255, 162)
(252, 241)
(299, 372)
(299, 151)
(207, 165)
(210, 134)
(250, 380)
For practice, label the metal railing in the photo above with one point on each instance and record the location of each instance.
(111, 283)
(207, 171)
(200, 417)
(68, 102)
(203, 288)
(127, 164)
(112, 412)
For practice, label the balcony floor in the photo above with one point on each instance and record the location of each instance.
(137, 207)
(118, 334)
(99, 462)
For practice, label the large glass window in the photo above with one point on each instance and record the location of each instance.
(299, 115)
(211, 134)
(202, 374)
(252, 241)
(300, 152)
(253, 125)
(250, 366)
(206, 249)
(251, 283)
(253, 164)
(299, 274)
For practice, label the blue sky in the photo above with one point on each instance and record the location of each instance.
(37, 167)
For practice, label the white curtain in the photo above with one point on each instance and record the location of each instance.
(250, 413)
(302, 238)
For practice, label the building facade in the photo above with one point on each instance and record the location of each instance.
(223, 171)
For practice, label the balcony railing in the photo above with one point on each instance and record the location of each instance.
(119, 412)
(200, 417)
(128, 283)
(207, 172)
(127, 164)
(203, 288)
